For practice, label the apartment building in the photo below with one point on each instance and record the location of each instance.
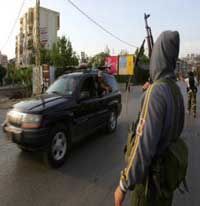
(49, 24)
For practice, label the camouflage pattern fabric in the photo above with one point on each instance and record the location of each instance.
(191, 104)
(139, 198)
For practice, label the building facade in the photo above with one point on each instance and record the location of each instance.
(3, 60)
(49, 24)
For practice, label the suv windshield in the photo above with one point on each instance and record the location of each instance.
(63, 86)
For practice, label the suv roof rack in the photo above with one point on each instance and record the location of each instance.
(85, 68)
(72, 69)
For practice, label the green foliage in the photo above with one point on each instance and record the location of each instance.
(143, 58)
(10, 74)
(122, 78)
(141, 75)
(62, 54)
(21, 76)
(2, 74)
(60, 71)
(98, 59)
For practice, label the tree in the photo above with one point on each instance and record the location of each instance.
(141, 74)
(2, 74)
(62, 54)
(123, 52)
(98, 59)
(143, 59)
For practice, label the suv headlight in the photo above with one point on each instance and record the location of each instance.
(24, 119)
(31, 121)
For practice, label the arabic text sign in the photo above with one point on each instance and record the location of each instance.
(113, 61)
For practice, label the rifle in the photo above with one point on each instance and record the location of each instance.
(137, 59)
(135, 65)
(150, 41)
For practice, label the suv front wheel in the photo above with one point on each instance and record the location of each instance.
(112, 122)
(58, 148)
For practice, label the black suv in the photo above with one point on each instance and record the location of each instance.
(74, 106)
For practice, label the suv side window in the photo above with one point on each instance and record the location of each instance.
(88, 85)
(102, 87)
(111, 81)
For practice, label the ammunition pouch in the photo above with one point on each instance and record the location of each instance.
(170, 169)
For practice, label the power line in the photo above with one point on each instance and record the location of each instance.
(100, 26)
(13, 27)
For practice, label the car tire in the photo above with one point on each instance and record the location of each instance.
(58, 148)
(112, 122)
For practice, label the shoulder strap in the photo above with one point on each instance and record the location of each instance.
(139, 131)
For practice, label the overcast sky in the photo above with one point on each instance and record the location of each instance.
(124, 18)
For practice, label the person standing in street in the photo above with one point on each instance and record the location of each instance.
(191, 92)
(128, 87)
(160, 123)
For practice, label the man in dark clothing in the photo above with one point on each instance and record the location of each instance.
(191, 91)
(128, 85)
(160, 119)
(103, 88)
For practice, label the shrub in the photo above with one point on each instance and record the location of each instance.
(20, 77)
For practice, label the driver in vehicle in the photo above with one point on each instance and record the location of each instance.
(102, 86)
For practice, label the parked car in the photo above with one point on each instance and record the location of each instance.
(73, 107)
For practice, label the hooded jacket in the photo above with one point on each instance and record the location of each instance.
(163, 118)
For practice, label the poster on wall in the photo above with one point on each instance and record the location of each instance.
(126, 65)
(113, 62)
(44, 35)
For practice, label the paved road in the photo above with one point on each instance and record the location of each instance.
(90, 175)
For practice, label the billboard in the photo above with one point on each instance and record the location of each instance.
(113, 62)
(126, 65)
(43, 35)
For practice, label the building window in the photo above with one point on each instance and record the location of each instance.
(58, 22)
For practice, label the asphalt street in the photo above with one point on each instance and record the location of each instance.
(92, 172)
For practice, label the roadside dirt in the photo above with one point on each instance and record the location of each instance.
(6, 103)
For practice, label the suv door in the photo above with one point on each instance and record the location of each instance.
(111, 100)
(102, 97)
(86, 111)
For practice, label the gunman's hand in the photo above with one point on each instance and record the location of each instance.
(146, 86)
(119, 196)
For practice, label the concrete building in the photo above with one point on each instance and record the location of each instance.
(3, 60)
(49, 22)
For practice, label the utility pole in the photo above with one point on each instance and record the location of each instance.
(37, 73)
(149, 34)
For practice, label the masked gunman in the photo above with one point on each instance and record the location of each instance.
(155, 150)
(191, 91)
(102, 86)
